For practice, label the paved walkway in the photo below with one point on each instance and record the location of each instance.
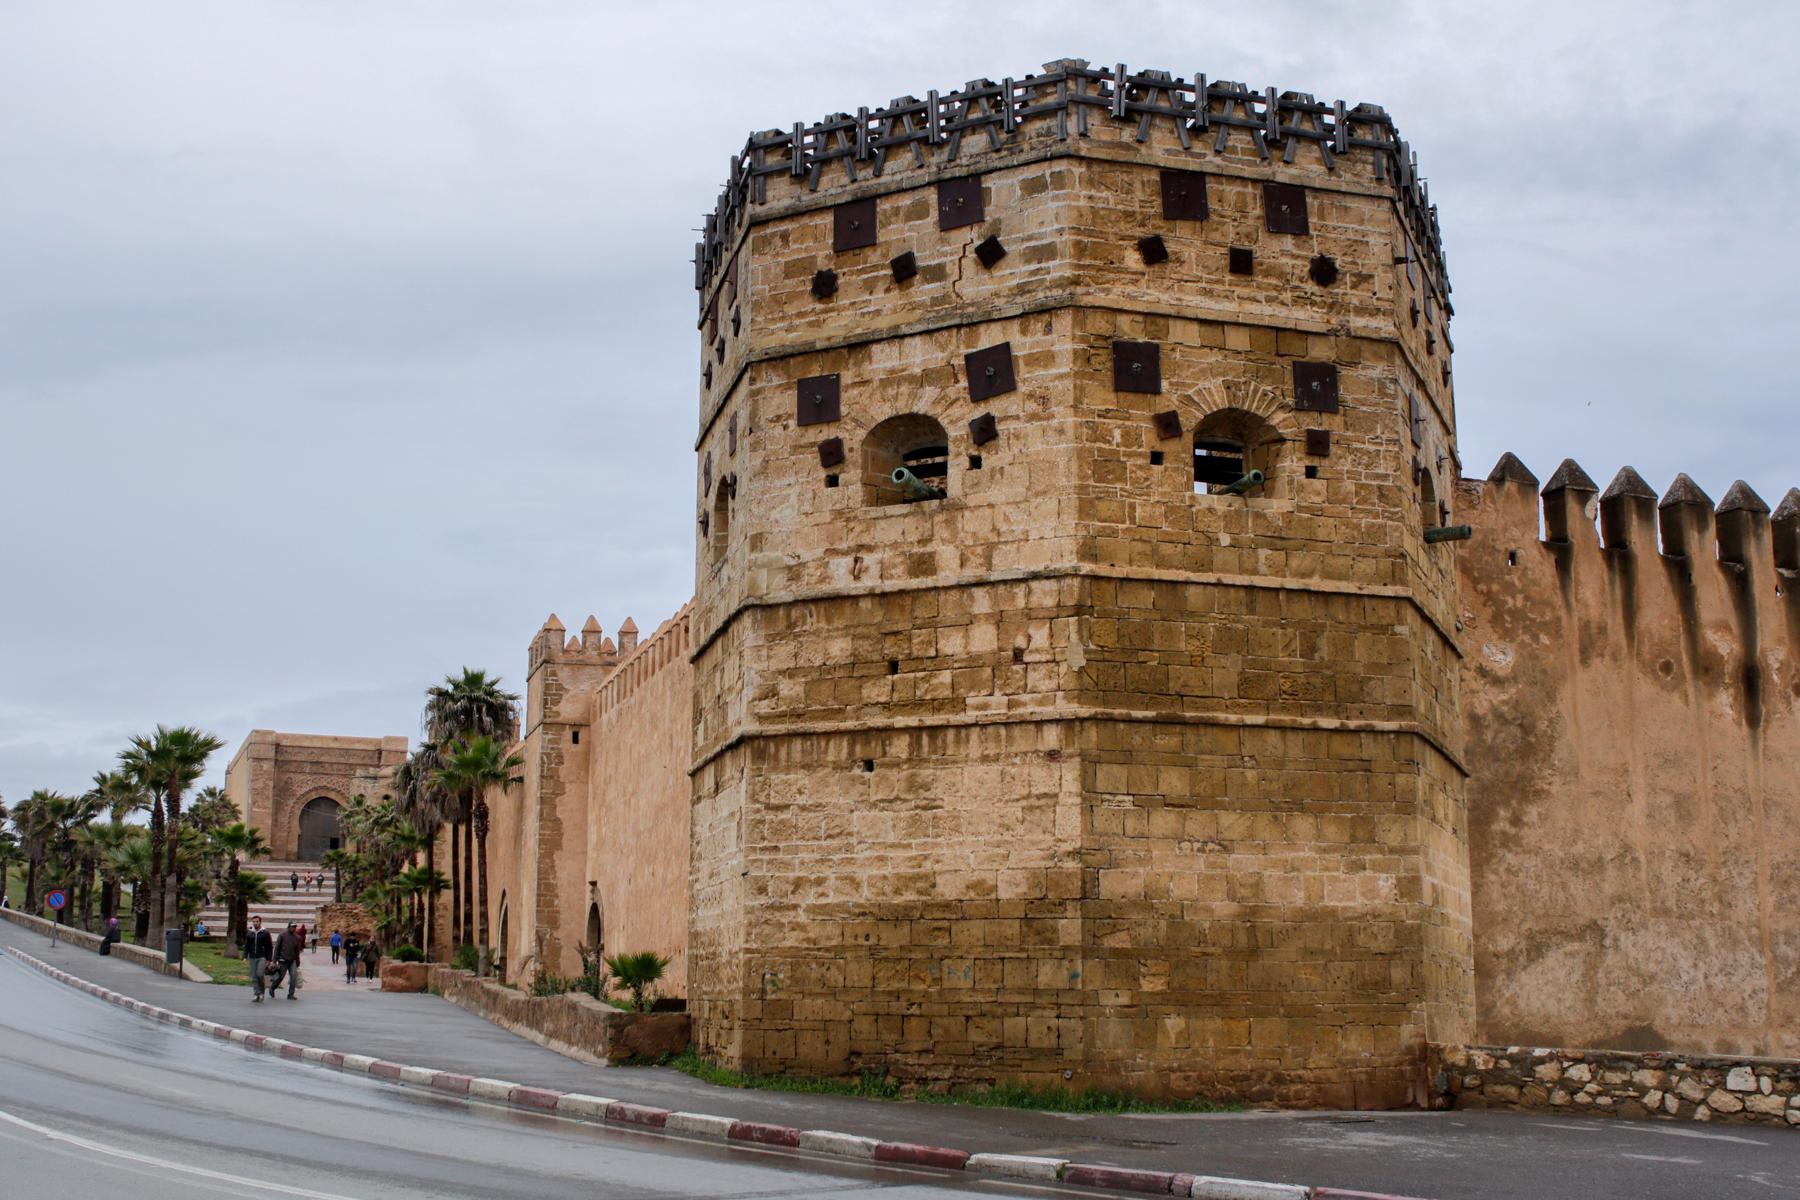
(1448, 1155)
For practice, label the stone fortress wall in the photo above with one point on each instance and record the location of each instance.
(1630, 694)
(1077, 774)
(274, 775)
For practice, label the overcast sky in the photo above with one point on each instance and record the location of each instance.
(341, 341)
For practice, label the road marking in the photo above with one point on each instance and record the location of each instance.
(1595, 1126)
(132, 1156)
(1686, 1162)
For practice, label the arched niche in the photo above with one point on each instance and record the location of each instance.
(1231, 442)
(320, 830)
(914, 441)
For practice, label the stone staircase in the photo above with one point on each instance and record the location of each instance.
(285, 904)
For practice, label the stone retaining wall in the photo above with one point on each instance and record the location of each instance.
(1761, 1091)
(140, 955)
(573, 1023)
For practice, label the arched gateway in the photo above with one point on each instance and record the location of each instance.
(319, 829)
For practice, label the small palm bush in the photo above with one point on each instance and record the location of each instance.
(407, 954)
(638, 974)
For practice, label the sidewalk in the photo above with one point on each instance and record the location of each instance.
(424, 1030)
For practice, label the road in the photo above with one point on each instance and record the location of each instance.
(171, 1094)
(95, 1102)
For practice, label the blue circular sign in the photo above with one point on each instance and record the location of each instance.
(56, 899)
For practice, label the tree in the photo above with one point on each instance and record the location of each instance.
(9, 851)
(339, 862)
(133, 863)
(35, 823)
(238, 843)
(104, 841)
(470, 770)
(212, 810)
(426, 806)
(167, 763)
(458, 710)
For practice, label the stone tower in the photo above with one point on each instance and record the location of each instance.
(1118, 743)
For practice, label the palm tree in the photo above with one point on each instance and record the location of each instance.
(418, 885)
(32, 818)
(244, 889)
(121, 792)
(426, 806)
(9, 850)
(237, 843)
(339, 861)
(472, 768)
(133, 862)
(458, 710)
(103, 841)
(212, 810)
(167, 763)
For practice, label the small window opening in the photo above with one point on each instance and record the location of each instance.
(1018, 654)
(893, 666)
(1512, 558)
(906, 459)
(974, 462)
(1228, 446)
(1156, 458)
(574, 737)
(831, 481)
(1312, 472)
(1428, 502)
(721, 521)
(868, 764)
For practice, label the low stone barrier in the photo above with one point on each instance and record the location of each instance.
(404, 976)
(1695, 1087)
(573, 1023)
(139, 955)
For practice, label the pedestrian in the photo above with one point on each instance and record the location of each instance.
(371, 959)
(111, 936)
(337, 944)
(287, 955)
(258, 949)
(352, 947)
(293, 881)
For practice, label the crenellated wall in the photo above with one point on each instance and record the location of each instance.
(1630, 698)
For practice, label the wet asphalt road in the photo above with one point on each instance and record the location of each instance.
(1444, 1156)
(95, 1102)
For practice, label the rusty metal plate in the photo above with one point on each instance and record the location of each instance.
(990, 251)
(1415, 419)
(1316, 387)
(816, 400)
(705, 523)
(1137, 367)
(1323, 270)
(904, 266)
(1184, 195)
(1284, 208)
(983, 430)
(706, 475)
(831, 452)
(1153, 250)
(853, 225)
(1168, 424)
(959, 202)
(731, 435)
(712, 319)
(737, 321)
(990, 371)
(706, 374)
(1243, 260)
(824, 284)
(1318, 443)
(731, 281)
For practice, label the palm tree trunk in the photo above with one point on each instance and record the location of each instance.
(469, 881)
(231, 903)
(480, 824)
(140, 910)
(171, 901)
(430, 901)
(31, 896)
(153, 886)
(455, 885)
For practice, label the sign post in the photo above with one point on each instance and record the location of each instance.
(55, 900)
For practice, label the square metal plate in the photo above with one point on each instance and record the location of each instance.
(1137, 367)
(983, 430)
(1318, 443)
(1184, 195)
(1153, 249)
(1316, 387)
(990, 251)
(1242, 260)
(824, 284)
(990, 371)
(1284, 208)
(959, 202)
(853, 225)
(904, 266)
(1168, 424)
(816, 400)
(831, 452)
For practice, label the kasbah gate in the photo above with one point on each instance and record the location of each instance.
(1101, 672)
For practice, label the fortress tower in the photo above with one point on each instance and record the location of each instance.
(1120, 744)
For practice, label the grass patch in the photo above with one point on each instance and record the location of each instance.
(211, 957)
(884, 1087)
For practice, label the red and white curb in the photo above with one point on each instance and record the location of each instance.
(700, 1126)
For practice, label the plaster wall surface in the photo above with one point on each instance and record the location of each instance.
(1634, 812)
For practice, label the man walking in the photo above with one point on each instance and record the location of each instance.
(337, 943)
(293, 881)
(287, 954)
(352, 948)
(258, 949)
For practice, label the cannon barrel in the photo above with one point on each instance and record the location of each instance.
(1242, 484)
(1450, 533)
(915, 487)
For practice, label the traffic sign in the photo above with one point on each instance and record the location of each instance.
(56, 899)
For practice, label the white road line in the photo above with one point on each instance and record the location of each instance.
(201, 1172)
(1686, 1162)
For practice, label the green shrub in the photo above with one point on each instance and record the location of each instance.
(465, 958)
(549, 983)
(407, 954)
(638, 973)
